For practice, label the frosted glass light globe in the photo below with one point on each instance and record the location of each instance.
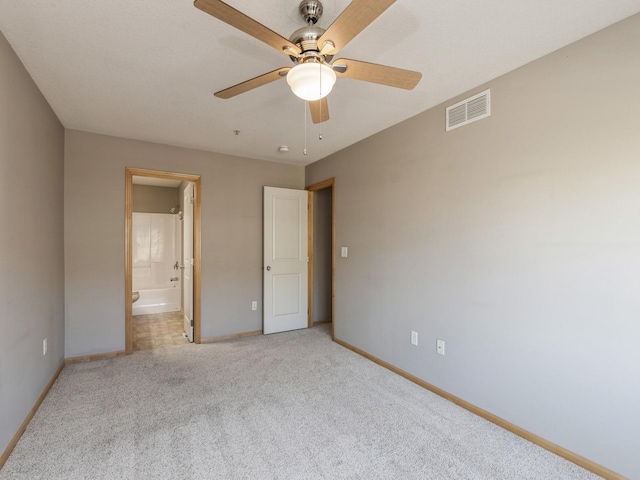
(311, 81)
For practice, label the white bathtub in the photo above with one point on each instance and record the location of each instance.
(158, 300)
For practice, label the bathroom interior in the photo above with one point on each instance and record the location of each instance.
(161, 247)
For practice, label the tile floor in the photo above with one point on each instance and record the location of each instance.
(158, 330)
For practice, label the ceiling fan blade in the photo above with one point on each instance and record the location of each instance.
(253, 83)
(319, 110)
(248, 25)
(372, 72)
(355, 18)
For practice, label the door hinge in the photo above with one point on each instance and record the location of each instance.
(192, 323)
(192, 200)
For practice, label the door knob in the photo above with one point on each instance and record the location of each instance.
(268, 268)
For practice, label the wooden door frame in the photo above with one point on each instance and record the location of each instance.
(329, 183)
(130, 172)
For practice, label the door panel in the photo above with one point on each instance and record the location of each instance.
(286, 234)
(285, 259)
(286, 294)
(187, 263)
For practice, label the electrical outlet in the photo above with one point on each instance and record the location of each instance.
(44, 346)
(254, 305)
(440, 347)
(414, 338)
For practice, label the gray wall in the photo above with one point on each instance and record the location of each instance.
(322, 255)
(516, 240)
(152, 199)
(94, 235)
(31, 243)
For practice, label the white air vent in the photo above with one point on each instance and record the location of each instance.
(469, 110)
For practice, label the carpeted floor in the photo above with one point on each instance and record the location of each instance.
(287, 406)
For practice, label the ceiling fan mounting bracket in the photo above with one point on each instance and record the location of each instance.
(311, 11)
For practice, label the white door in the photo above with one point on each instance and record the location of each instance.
(187, 284)
(285, 259)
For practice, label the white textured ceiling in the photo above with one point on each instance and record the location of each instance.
(146, 69)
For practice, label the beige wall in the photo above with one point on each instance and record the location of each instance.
(516, 240)
(94, 235)
(31, 243)
(152, 199)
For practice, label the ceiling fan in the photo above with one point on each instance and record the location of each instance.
(312, 49)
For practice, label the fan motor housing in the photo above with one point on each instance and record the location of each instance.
(307, 38)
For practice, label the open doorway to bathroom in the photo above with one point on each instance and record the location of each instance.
(162, 259)
(322, 253)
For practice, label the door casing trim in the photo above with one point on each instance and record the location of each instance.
(130, 172)
(329, 183)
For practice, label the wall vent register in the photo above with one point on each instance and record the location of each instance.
(469, 110)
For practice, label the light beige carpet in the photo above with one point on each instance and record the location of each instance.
(287, 406)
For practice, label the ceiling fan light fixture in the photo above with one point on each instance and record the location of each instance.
(311, 80)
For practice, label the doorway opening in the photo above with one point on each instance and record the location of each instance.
(162, 259)
(322, 253)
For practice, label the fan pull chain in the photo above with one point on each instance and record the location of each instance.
(305, 128)
(320, 83)
(320, 135)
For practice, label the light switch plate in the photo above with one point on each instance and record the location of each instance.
(344, 252)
